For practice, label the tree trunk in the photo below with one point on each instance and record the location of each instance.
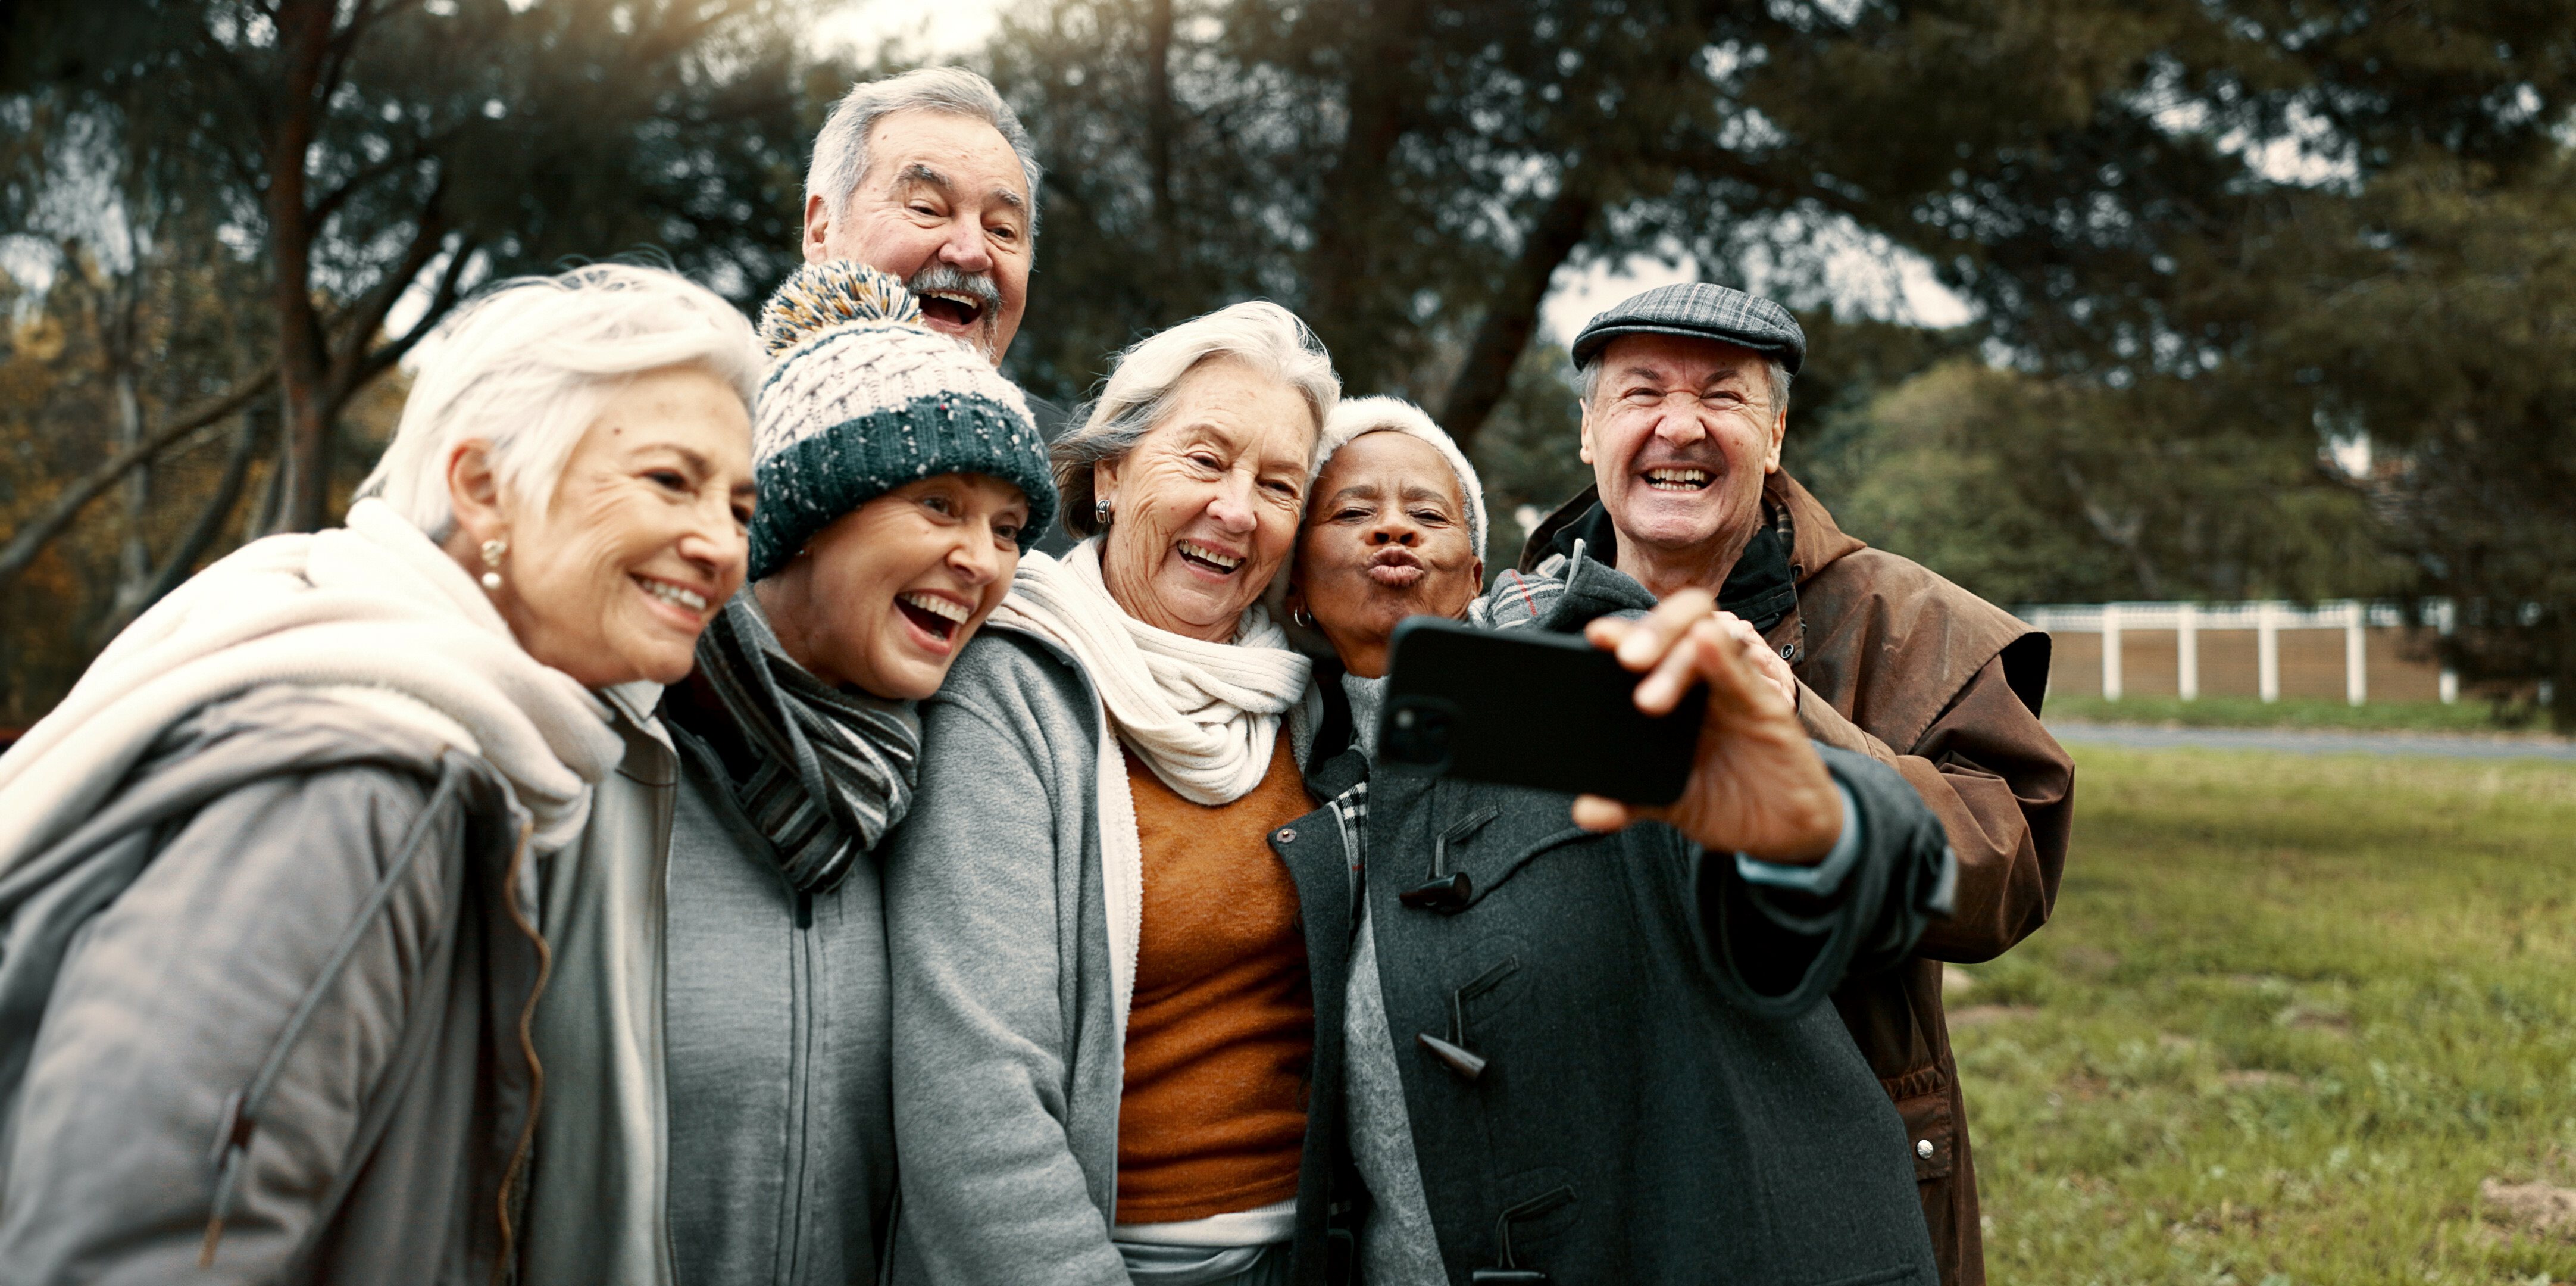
(1512, 316)
(303, 40)
(134, 557)
(1158, 121)
(1338, 267)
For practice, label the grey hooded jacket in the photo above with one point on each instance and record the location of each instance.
(293, 960)
(1008, 1061)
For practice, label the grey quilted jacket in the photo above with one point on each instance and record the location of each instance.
(266, 1012)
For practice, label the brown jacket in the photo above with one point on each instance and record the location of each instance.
(1894, 662)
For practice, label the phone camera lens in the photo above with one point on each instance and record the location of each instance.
(1416, 737)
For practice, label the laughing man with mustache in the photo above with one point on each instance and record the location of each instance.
(929, 176)
(1685, 407)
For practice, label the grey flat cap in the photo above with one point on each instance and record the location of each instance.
(1698, 310)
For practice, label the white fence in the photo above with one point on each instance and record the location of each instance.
(2268, 620)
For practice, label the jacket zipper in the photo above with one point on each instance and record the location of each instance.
(800, 1090)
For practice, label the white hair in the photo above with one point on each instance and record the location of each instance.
(1138, 393)
(841, 149)
(1360, 416)
(1587, 379)
(525, 366)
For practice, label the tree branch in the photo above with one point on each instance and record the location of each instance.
(332, 201)
(201, 534)
(1512, 316)
(25, 543)
(368, 316)
(440, 304)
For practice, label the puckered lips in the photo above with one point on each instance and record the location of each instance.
(1396, 567)
(1214, 561)
(684, 606)
(934, 616)
(1678, 478)
(954, 311)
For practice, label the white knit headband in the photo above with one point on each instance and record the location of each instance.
(1357, 416)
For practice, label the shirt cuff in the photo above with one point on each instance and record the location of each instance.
(1823, 878)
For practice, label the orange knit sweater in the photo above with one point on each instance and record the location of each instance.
(1213, 1115)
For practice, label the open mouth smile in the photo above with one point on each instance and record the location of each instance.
(679, 596)
(935, 615)
(954, 309)
(1214, 561)
(1677, 478)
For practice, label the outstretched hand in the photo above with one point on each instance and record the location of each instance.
(1756, 786)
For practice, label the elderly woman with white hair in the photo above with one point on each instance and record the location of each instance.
(1102, 1021)
(270, 876)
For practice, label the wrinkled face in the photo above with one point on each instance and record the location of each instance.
(1679, 433)
(945, 206)
(883, 598)
(1205, 506)
(644, 538)
(1385, 538)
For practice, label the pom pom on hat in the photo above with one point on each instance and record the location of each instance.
(862, 397)
(821, 296)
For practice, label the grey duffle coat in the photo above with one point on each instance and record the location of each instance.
(1665, 1096)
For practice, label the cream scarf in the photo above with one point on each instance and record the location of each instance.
(373, 612)
(1204, 716)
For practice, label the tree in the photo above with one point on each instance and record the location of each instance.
(2142, 201)
(2448, 361)
(386, 154)
(1412, 174)
(235, 217)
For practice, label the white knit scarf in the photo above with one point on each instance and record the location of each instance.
(376, 614)
(1203, 716)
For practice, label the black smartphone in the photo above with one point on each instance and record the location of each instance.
(1530, 708)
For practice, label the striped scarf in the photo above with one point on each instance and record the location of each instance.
(833, 767)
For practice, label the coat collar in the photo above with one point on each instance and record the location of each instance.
(1334, 759)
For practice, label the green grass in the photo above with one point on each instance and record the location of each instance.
(2288, 1014)
(2473, 716)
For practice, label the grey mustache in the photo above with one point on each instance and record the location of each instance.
(940, 276)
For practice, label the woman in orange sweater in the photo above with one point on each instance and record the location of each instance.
(1102, 1022)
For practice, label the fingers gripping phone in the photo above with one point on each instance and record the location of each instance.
(1530, 708)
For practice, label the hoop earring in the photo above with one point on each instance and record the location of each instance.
(492, 551)
(1301, 618)
(1100, 512)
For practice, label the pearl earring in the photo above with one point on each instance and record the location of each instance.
(492, 551)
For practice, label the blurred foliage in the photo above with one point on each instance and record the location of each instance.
(59, 372)
(378, 156)
(2188, 229)
(2033, 491)
(165, 231)
(2212, 247)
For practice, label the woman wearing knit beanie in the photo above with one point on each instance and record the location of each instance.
(900, 480)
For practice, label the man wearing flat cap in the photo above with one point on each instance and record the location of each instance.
(1685, 405)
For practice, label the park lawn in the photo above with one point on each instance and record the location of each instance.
(2469, 715)
(2289, 1013)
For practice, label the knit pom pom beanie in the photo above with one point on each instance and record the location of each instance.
(862, 397)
